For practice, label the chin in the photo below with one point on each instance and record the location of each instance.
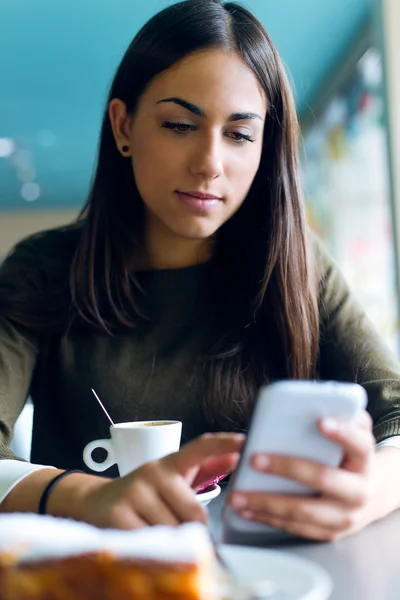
(199, 229)
(196, 233)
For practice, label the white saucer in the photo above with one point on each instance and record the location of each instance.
(287, 575)
(206, 497)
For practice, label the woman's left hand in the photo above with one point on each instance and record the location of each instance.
(347, 498)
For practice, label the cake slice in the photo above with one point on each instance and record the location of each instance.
(44, 558)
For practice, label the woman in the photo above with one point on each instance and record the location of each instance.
(188, 281)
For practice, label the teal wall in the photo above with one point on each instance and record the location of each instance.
(58, 57)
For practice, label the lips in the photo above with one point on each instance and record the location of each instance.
(199, 202)
(200, 195)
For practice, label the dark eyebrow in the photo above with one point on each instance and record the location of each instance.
(196, 110)
(191, 107)
(243, 116)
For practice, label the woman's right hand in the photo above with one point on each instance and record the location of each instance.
(160, 492)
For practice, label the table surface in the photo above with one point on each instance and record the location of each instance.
(365, 566)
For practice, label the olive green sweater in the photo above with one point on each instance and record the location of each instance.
(147, 373)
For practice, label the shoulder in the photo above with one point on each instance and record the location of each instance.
(323, 261)
(333, 289)
(50, 242)
(44, 255)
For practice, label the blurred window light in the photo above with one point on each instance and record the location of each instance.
(30, 191)
(335, 113)
(22, 159)
(370, 65)
(7, 147)
(27, 174)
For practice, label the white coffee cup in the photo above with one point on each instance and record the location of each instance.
(134, 444)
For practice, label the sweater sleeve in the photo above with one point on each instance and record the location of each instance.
(18, 349)
(351, 349)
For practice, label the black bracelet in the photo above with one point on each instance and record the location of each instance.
(48, 489)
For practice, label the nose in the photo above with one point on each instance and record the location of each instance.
(207, 162)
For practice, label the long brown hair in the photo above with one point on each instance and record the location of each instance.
(266, 323)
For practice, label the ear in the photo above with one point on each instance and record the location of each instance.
(120, 123)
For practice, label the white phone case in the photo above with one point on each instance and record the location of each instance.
(285, 422)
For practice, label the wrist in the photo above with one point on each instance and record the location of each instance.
(42, 510)
(25, 495)
(69, 498)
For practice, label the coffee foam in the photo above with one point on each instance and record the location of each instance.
(139, 424)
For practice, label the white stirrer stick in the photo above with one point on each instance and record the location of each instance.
(102, 406)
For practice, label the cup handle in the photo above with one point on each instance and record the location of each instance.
(107, 463)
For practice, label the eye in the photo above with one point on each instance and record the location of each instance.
(178, 128)
(240, 138)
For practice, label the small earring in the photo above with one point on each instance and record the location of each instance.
(125, 148)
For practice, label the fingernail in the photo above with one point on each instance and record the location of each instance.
(247, 514)
(330, 424)
(262, 461)
(239, 501)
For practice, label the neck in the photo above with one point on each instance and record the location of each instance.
(165, 250)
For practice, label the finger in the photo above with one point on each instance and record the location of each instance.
(357, 442)
(151, 508)
(350, 488)
(181, 500)
(317, 512)
(297, 528)
(123, 517)
(202, 448)
(364, 420)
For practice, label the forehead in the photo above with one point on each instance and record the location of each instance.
(214, 80)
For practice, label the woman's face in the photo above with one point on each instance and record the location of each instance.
(195, 142)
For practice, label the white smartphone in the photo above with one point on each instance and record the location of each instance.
(284, 421)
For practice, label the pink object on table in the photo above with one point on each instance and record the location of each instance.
(210, 483)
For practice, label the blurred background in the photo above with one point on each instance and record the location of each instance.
(58, 58)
